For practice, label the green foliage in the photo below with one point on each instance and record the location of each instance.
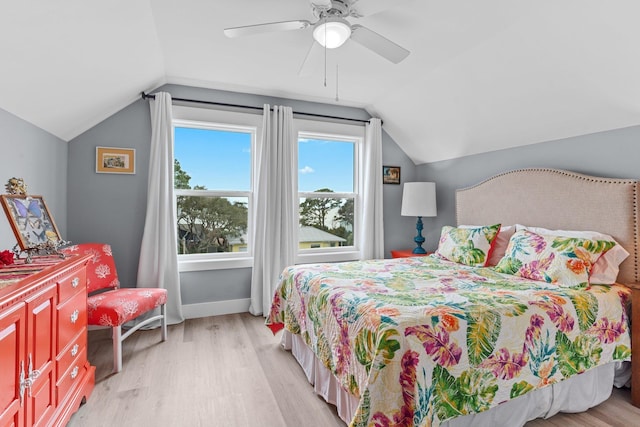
(317, 212)
(468, 254)
(577, 356)
(509, 265)
(368, 344)
(473, 391)
(180, 178)
(594, 246)
(483, 329)
(622, 352)
(520, 388)
(586, 308)
(206, 224)
(313, 212)
(361, 419)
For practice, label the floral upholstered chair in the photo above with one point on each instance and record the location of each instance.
(112, 306)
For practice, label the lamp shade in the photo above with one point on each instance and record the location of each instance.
(419, 199)
(332, 32)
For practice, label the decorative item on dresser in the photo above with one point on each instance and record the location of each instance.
(30, 220)
(43, 337)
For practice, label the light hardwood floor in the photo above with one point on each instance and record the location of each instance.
(229, 371)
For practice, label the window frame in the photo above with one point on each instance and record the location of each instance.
(203, 118)
(332, 131)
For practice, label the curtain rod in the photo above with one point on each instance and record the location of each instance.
(251, 107)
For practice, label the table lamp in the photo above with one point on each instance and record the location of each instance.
(419, 199)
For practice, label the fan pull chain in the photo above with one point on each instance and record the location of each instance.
(325, 51)
(337, 97)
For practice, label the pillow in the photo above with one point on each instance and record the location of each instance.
(500, 244)
(471, 246)
(565, 261)
(605, 270)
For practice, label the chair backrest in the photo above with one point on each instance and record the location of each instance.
(101, 269)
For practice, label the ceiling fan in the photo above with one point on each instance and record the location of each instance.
(331, 28)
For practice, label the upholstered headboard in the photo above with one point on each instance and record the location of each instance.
(558, 199)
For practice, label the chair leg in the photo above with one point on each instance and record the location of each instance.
(163, 322)
(117, 348)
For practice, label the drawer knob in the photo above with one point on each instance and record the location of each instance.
(74, 316)
(74, 350)
(74, 372)
(75, 282)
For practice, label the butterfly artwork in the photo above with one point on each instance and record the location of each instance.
(30, 220)
(24, 211)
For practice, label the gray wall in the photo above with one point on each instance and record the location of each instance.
(614, 154)
(111, 208)
(41, 159)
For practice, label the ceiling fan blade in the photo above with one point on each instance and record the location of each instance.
(371, 7)
(250, 30)
(380, 45)
(321, 4)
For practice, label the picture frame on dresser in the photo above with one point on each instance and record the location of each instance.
(30, 220)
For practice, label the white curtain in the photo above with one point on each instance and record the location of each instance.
(372, 235)
(158, 265)
(275, 198)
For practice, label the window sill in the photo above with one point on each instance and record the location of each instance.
(214, 264)
(312, 258)
(188, 265)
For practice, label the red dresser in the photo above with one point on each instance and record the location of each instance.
(45, 375)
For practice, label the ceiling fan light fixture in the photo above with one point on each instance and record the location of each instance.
(332, 32)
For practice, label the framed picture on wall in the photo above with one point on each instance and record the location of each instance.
(30, 220)
(391, 174)
(115, 160)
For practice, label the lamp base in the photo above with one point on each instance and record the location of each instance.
(419, 239)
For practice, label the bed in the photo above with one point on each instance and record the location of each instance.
(436, 341)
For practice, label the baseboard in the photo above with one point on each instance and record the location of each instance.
(216, 308)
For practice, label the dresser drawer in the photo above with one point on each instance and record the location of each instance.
(72, 318)
(71, 284)
(71, 353)
(71, 377)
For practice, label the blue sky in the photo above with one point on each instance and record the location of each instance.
(222, 160)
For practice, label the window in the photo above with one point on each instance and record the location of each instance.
(213, 189)
(328, 191)
(213, 174)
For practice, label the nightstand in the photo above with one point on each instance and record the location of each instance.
(406, 253)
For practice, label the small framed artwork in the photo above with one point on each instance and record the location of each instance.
(391, 174)
(115, 160)
(30, 220)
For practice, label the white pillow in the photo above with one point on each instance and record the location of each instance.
(499, 245)
(605, 270)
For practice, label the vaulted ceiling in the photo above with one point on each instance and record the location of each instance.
(481, 76)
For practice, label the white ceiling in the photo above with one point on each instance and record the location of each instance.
(482, 75)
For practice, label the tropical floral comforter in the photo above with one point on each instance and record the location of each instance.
(421, 340)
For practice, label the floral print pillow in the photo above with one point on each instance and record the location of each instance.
(470, 245)
(565, 261)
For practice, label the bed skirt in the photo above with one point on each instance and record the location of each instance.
(576, 394)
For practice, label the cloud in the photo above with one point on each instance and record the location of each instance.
(306, 169)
